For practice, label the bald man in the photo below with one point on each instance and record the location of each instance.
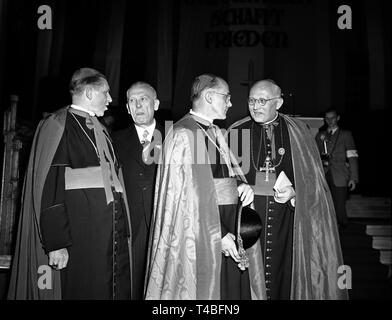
(73, 217)
(193, 253)
(299, 240)
(133, 145)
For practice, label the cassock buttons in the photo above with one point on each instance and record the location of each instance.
(269, 226)
(270, 218)
(269, 242)
(268, 266)
(269, 258)
(269, 210)
(269, 249)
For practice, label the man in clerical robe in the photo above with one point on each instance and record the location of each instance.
(74, 228)
(193, 252)
(299, 240)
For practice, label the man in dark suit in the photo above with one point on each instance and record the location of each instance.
(340, 161)
(138, 149)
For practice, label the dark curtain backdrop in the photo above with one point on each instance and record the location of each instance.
(164, 43)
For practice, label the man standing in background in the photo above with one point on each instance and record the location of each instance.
(340, 161)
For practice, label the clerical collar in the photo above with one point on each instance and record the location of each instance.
(74, 106)
(202, 116)
(150, 129)
(271, 121)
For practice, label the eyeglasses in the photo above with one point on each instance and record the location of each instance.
(227, 95)
(261, 101)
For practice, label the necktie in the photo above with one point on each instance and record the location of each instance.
(146, 145)
(144, 137)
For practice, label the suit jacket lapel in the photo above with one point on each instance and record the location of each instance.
(134, 146)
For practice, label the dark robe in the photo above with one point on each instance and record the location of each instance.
(234, 282)
(95, 233)
(139, 179)
(304, 239)
(277, 234)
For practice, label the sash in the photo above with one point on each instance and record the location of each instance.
(85, 178)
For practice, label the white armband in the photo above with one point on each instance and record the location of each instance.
(352, 153)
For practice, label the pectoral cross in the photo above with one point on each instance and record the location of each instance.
(265, 180)
(267, 168)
